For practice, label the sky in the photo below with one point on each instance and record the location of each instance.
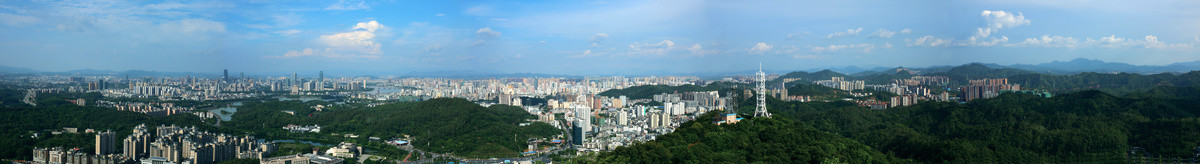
(586, 37)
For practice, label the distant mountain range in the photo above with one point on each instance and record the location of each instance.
(1074, 66)
(1088, 65)
(1077, 65)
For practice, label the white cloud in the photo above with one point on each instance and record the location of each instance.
(1151, 41)
(348, 5)
(360, 40)
(598, 37)
(848, 32)
(997, 20)
(659, 48)
(797, 35)
(487, 33)
(928, 41)
(883, 33)
(761, 48)
(865, 48)
(194, 26)
(18, 20)
(696, 49)
(580, 54)
(1050, 41)
(989, 41)
(327, 53)
(906, 31)
(439, 14)
(301, 53)
(371, 26)
(433, 49)
(288, 32)
(806, 56)
(190, 31)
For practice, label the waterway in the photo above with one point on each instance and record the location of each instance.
(229, 110)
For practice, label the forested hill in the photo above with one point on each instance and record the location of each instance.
(1087, 126)
(978, 71)
(19, 122)
(1117, 84)
(757, 140)
(648, 91)
(808, 77)
(441, 125)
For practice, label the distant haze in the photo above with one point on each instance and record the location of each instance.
(588, 37)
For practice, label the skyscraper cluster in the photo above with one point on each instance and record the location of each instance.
(987, 88)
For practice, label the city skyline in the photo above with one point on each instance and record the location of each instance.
(594, 37)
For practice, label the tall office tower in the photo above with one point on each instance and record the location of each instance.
(577, 134)
(226, 77)
(622, 118)
(137, 144)
(761, 109)
(584, 115)
(321, 76)
(243, 77)
(106, 142)
(295, 79)
(654, 120)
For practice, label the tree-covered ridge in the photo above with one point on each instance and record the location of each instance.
(648, 91)
(19, 122)
(1119, 84)
(1020, 128)
(808, 77)
(441, 125)
(816, 91)
(978, 71)
(757, 140)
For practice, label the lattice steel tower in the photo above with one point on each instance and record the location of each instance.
(761, 109)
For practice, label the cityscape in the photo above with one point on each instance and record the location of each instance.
(690, 81)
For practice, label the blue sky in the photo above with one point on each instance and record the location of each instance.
(586, 37)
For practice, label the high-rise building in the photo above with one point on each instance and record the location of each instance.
(622, 118)
(584, 115)
(987, 88)
(106, 143)
(321, 76)
(226, 77)
(136, 145)
(577, 134)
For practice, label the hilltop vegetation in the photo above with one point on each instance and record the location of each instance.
(19, 122)
(1122, 83)
(1082, 126)
(758, 140)
(648, 91)
(1087, 126)
(442, 125)
(1117, 84)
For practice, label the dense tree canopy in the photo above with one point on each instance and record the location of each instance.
(648, 91)
(442, 125)
(1083, 126)
(765, 140)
